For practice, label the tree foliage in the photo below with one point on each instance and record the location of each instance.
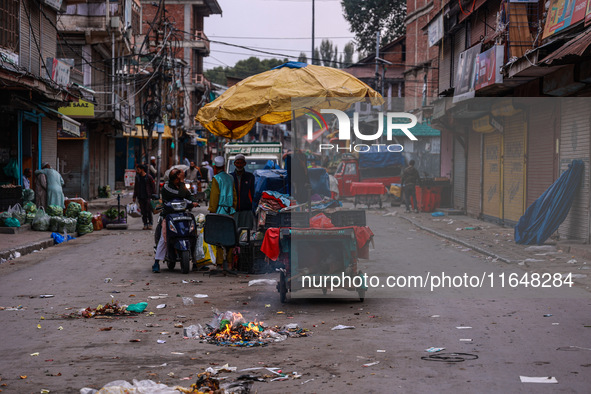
(328, 53)
(369, 16)
(303, 58)
(242, 69)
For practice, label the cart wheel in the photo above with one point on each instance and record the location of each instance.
(324, 291)
(361, 293)
(282, 288)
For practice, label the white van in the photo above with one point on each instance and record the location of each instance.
(257, 155)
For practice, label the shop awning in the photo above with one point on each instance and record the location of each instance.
(69, 125)
(575, 47)
(138, 132)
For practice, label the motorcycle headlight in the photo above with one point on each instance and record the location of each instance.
(171, 227)
(188, 186)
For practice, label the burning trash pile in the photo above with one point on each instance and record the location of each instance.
(231, 329)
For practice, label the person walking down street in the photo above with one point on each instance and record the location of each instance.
(193, 174)
(244, 186)
(410, 178)
(152, 169)
(55, 194)
(25, 180)
(142, 191)
(222, 200)
(174, 189)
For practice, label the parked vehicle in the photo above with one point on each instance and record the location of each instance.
(181, 234)
(257, 155)
(370, 167)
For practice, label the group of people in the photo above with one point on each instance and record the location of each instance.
(229, 194)
(48, 185)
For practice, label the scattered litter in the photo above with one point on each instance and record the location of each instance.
(548, 315)
(157, 297)
(309, 380)
(533, 379)
(46, 296)
(371, 364)
(161, 306)
(459, 229)
(38, 325)
(184, 281)
(435, 316)
(139, 307)
(463, 327)
(135, 340)
(102, 311)
(465, 340)
(434, 349)
(533, 260)
(106, 329)
(178, 353)
(108, 280)
(381, 351)
(188, 301)
(292, 326)
(435, 214)
(200, 296)
(450, 357)
(223, 368)
(574, 276)
(35, 354)
(141, 386)
(555, 324)
(267, 305)
(161, 341)
(60, 328)
(258, 282)
(466, 249)
(342, 327)
(570, 348)
(393, 213)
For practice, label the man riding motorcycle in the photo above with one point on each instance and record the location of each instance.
(174, 189)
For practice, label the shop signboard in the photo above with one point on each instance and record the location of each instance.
(563, 14)
(488, 67)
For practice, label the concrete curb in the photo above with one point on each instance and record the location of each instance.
(26, 249)
(458, 241)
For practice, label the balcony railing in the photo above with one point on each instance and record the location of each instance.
(197, 40)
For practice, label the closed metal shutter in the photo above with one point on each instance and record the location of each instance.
(574, 145)
(491, 175)
(542, 158)
(49, 142)
(70, 155)
(36, 28)
(49, 35)
(24, 40)
(459, 176)
(514, 140)
(445, 64)
(474, 175)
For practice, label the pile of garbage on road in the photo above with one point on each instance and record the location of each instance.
(231, 329)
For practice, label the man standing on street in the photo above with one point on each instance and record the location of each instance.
(210, 173)
(26, 177)
(244, 186)
(410, 178)
(152, 167)
(222, 200)
(142, 191)
(55, 194)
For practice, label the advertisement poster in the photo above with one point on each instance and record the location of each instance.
(488, 65)
(465, 78)
(563, 14)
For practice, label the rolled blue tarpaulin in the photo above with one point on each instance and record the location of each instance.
(545, 215)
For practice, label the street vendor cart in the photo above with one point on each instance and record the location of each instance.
(312, 255)
(368, 193)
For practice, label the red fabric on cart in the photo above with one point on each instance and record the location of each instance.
(270, 245)
(267, 196)
(358, 188)
(321, 221)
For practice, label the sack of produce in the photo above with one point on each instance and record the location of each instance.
(84, 228)
(54, 222)
(55, 210)
(84, 218)
(18, 213)
(30, 207)
(73, 210)
(41, 220)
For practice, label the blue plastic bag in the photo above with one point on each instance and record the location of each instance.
(58, 238)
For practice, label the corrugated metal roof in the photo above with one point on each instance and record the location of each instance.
(575, 47)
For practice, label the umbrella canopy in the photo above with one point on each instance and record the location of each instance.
(267, 97)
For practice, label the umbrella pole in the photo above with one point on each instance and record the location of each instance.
(294, 141)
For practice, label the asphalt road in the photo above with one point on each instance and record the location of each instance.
(509, 333)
